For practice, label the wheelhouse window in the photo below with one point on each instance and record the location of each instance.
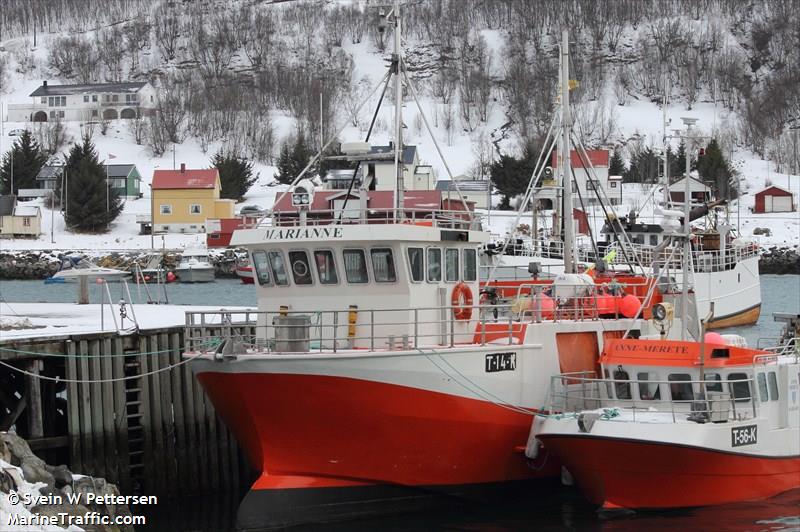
(383, 265)
(301, 271)
(713, 382)
(261, 265)
(278, 266)
(648, 391)
(355, 266)
(622, 389)
(763, 394)
(680, 387)
(416, 264)
(326, 267)
(470, 265)
(739, 386)
(773, 386)
(451, 266)
(434, 265)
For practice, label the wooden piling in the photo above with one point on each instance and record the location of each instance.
(148, 433)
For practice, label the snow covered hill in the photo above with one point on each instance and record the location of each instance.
(465, 140)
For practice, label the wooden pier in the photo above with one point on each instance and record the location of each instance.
(149, 431)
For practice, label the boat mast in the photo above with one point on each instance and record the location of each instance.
(398, 118)
(566, 126)
(665, 180)
(687, 229)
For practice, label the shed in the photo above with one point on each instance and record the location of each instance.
(774, 199)
(700, 192)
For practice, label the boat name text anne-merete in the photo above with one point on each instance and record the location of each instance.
(675, 349)
(303, 232)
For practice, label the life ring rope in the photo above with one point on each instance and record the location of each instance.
(461, 300)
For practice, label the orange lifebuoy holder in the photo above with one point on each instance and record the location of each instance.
(461, 300)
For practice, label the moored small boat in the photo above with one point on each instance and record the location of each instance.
(245, 273)
(73, 268)
(195, 267)
(678, 424)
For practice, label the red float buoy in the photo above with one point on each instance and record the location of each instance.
(629, 306)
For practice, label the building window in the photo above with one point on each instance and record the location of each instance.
(26, 221)
(94, 98)
(416, 263)
(61, 114)
(326, 267)
(301, 271)
(195, 208)
(118, 183)
(383, 265)
(85, 98)
(52, 115)
(166, 209)
(44, 99)
(94, 113)
(355, 266)
(434, 265)
(613, 184)
(131, 98)
(115, 97)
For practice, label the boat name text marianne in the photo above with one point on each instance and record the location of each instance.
(676, 349)
(306, 232)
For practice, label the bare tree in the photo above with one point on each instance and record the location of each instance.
(138, 128)
(74, 57)
(167, 30)
(111, 50)
(137, 38)
(156, 135)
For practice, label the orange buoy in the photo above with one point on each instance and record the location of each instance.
(461, 299)
(605, 304)
(629, 306)
(714, 338)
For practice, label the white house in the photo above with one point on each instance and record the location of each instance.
(102, 101)
(416, 176)
(698, 191)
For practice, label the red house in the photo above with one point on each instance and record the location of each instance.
(774, 199)
(220, 230)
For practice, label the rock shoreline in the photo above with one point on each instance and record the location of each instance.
(777, 260)
(42, 489)
(27, 265)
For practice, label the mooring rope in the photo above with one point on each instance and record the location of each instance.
(100, 381)
(210, 343)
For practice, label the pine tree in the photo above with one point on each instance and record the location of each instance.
(91, 204)
(235, 174)
(644, 167)
(617, 165)
(678, 167)
(714, 169)
(511, 175)
(28, 159)
(292, 160)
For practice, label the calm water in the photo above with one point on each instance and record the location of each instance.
(550, 507)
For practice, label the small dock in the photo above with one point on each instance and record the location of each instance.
(119, 405)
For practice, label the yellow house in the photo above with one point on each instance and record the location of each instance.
(184, 199)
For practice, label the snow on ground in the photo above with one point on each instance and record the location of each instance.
(53, 319)
(638, 119)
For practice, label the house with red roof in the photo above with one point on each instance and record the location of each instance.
(591, 181)
(184, 199)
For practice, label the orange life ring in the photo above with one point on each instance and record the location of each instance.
(461, 299)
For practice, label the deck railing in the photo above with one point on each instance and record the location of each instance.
(433, 217)
(703, 260)
(351, 328)
(712, 400)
